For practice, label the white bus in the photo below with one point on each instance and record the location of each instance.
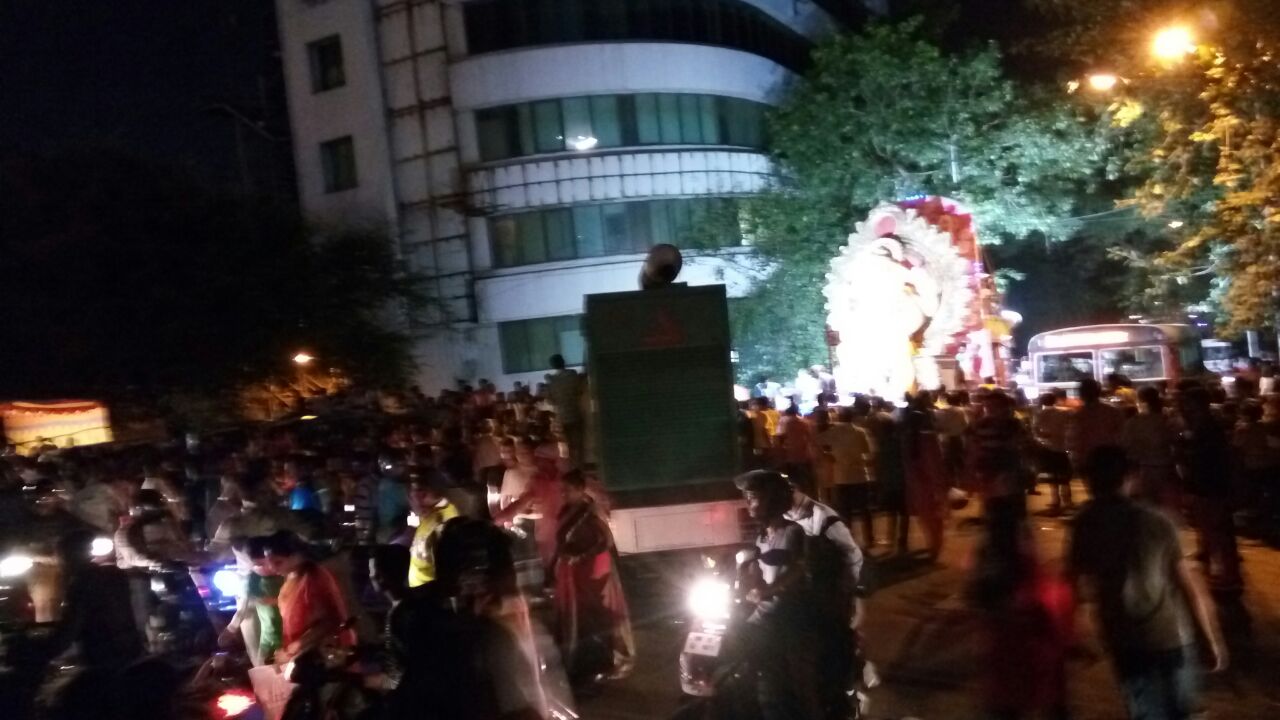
(1146, 354)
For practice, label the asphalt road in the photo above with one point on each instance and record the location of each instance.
(927, 645)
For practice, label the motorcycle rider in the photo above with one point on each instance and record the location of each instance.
(96, 615)
(835, 565)
(148, 541)
(779, 634)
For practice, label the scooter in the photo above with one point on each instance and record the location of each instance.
(715, 676)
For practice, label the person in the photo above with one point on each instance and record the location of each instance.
(388, 574)
(151, 538)
(433, 509)
(952, 421)
(1204, 459)
(463, 661)
(890, 470)
(261, 601)
(851, 451)
(1149, 600)
(97, 614)
(564, 390)
(594, 626)
(778, 633)
(312, 610)
(1050, 430)
(1253, 453)
(44, 522)
(258, 517)
(1149, 440)
(835, 564)
(1094, 424)
(925, 486)
(392, 495)
(795, 443)
(766, 389)
(996, 446)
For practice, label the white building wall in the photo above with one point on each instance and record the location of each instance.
(409, 100)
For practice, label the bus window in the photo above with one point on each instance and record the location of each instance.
(1064, 367)
(1144, 363)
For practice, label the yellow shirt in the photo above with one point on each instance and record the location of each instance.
(422, 553)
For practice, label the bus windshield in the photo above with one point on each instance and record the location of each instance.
(1064, 367)
(1144, 363)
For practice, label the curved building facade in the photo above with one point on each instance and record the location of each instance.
(525, 153)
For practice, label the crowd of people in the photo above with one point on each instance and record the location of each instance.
(456, 515)
(1201, 454)
(456, 518)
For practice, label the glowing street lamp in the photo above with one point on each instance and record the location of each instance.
(1173, 43)
(1103, 82)
(303, 358)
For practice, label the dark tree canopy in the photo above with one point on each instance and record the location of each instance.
(118, 275)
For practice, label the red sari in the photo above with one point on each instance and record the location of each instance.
(591, 609)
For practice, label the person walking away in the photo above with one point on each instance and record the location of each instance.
(922, 461)
(312, 611)
(1094, 424)
(1050, 431)
(890, 470)
(564, 390)
(778, 635)
(97, 614)
(1205, 463)
(823, 464)
(835, 564)
(1149, 600)
(850, 449)
(997, 447)
(1027, 620)
(1149, 440)
(261, 601)
(593, 624)
(795, 443)
(952, 421)
(433, 509)
(1254, 457)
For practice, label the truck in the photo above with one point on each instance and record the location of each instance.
(661, 384)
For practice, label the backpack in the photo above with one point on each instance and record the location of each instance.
(830, 587)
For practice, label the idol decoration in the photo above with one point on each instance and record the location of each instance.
(912, 303)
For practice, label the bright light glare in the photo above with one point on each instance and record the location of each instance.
(413, 520)
(710, 599)
(1172, 43)
(234, 703)
(1101, 337)
(229, 582)
(303, 358)
(583, 142)
(15, 566)
(1175, 224)
(1102, 82)
(308, 417)
(101, 546)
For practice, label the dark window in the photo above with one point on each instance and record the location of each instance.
(338, 163)
(623, 228)
(326, 64)
(607, 121)
(504, 24)
(527, 345)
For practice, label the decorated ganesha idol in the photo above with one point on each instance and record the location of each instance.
(902, 292)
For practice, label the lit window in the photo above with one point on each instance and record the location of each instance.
(338, 163)
(326, 64)
(527, 345)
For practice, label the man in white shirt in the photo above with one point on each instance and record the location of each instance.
(850, 448)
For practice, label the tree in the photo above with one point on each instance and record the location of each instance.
(1205, 155)
(885, 114)
(121, 276)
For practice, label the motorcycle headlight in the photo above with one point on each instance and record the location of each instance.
(229, 582)
(710, 599)
(102, 546)
(14, 566)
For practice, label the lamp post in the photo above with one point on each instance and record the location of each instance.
(1173, 43)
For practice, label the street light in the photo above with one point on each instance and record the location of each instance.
(1103, 82)
(303, 359)
(1173, 43)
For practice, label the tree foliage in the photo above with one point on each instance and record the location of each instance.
(119, 275)
(885, 114)
(1202, 144)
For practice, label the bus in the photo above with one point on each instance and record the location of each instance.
(1146, 354)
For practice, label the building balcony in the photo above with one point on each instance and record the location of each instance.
(628, 173)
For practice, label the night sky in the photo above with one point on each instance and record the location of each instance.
(138, 76)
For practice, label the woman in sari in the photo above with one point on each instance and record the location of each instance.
(594, 627)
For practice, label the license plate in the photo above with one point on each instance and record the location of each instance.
(703, 644)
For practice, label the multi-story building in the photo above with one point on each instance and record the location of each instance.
(525, 153)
